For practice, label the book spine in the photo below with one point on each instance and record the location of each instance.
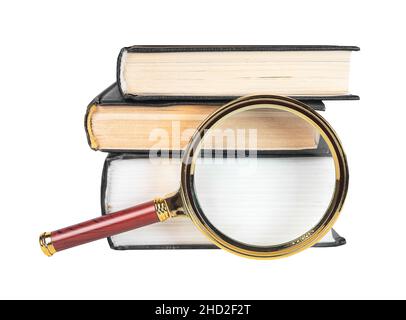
(91, 139)
(91, 108)
(119, 72)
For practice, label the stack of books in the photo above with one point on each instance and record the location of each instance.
(162, 93)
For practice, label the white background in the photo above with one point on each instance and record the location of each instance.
(55, 57)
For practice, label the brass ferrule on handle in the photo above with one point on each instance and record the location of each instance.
(162, 210)
(45, 241)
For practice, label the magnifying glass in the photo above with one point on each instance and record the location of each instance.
(262, 177)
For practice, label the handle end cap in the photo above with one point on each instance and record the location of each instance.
(45, 241)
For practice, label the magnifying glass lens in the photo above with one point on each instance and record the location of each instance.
(263, 177)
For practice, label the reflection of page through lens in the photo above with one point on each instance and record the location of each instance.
(272, 198)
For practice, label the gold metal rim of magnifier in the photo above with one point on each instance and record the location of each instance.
(305, 241)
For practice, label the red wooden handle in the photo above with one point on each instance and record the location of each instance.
(101, 227)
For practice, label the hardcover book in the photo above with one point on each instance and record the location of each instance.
(115, 124)
(224, 72)
(134, 178)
